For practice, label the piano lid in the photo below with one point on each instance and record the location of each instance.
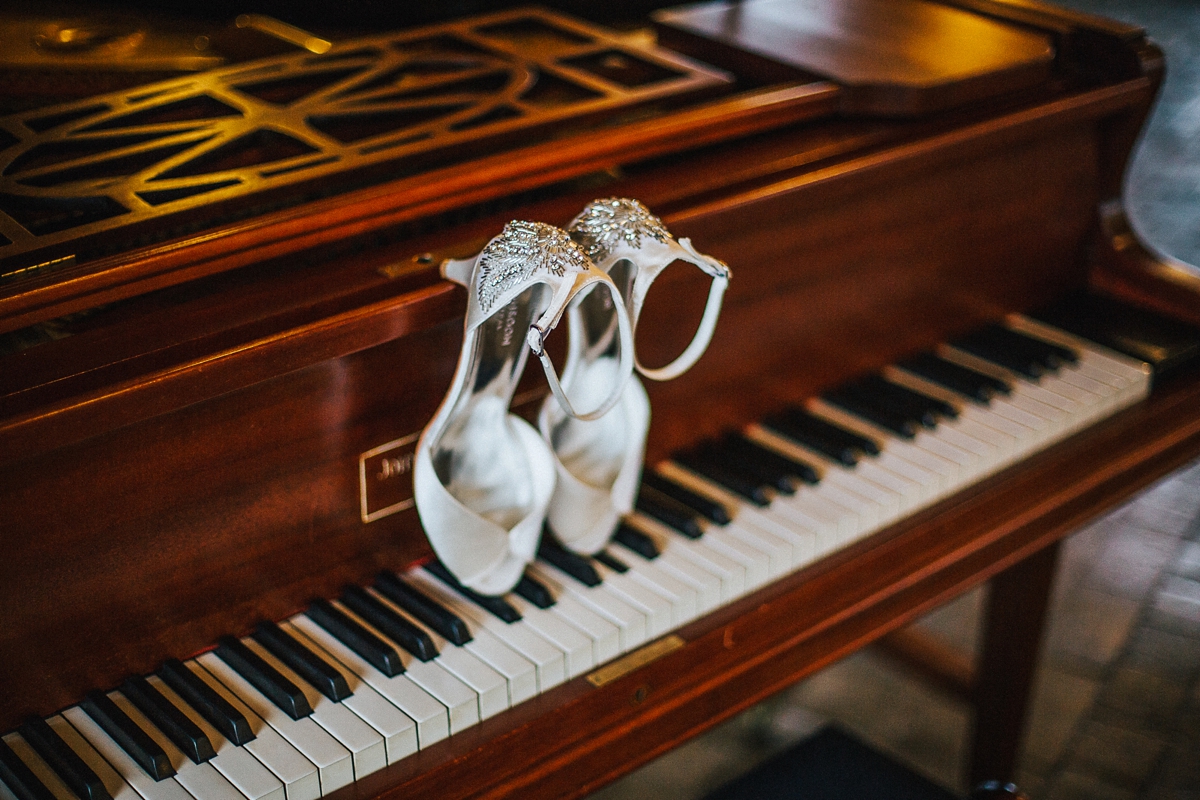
(896, 59)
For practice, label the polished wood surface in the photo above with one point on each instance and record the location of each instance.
(186, 463)
(902, 59)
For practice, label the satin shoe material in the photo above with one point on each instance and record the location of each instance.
(483, 478)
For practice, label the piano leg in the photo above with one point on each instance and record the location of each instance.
(1012, 637)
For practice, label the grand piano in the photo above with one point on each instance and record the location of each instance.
(223, 328)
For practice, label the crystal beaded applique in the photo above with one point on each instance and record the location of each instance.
(605, 223)
(522, 249)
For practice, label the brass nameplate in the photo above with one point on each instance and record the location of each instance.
(638, 658)
(385, 478)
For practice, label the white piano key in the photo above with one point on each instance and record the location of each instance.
(1058, 383)
(366, 746)
(938, 445)
(984, 450)
(866, 479)
(681, 596)
(1064, 406)
(731, 573)
(909, 492)
(577, 648)
(1110, 399)
(125, 766)
(202, 781)
(1118, 366)
(1026, 395)
(706, 584)
(660, 617)
(766, 532)
(489, 686)
(970, 411)
(605, 636)
(117, 788)
(992, 416)
(519, 673)
(491, 690)
(459, 699)
(431, 717)
(733, 537)
(1004, 443)
(887, 501)
(300, 777)
(334, 763)
(833, 492)
(928, 482)
(41, 770)
(1019, 412)
(755, 562)
(548, 660)
(796, 526)
(399, 732)
(630, 621)
(237, 764)
(830, 521)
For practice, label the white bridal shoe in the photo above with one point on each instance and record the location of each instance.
(599, 462)
(484, 478)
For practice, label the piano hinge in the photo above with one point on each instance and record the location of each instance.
(33, 269)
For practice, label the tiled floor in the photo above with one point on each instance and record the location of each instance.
(1116, 707)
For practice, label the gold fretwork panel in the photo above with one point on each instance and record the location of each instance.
(293, 128)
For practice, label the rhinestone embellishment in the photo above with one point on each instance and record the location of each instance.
(604, 224)
(521, 250)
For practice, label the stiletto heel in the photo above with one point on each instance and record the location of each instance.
(599, 462)
(483, 477)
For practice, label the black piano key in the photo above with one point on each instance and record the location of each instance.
(496, 606)
(132, 739)
(65, 762)
(425, 608)
(955, 377)
(575, 565)
(534, 591)
(669, 512)
(376, 652)
(711, 466)
(767, 475)
(1014, 359)
(392, 625)
(928, 409)
(876, 391)
(1049, 355)
(636, 541)
(18, 777)
(708, 509)
(176, 725)
(304, 662)
(612, 562)
(286, 695)
(830, 440)
(209, 704)
(861, 404)
(736, 443)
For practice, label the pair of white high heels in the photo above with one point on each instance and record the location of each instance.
(485, 480)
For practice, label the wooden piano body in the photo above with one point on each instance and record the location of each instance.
(188, 462)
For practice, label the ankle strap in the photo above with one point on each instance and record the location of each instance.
(626, 358)
(708, 323)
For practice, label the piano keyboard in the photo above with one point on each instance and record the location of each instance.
(304, 707)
